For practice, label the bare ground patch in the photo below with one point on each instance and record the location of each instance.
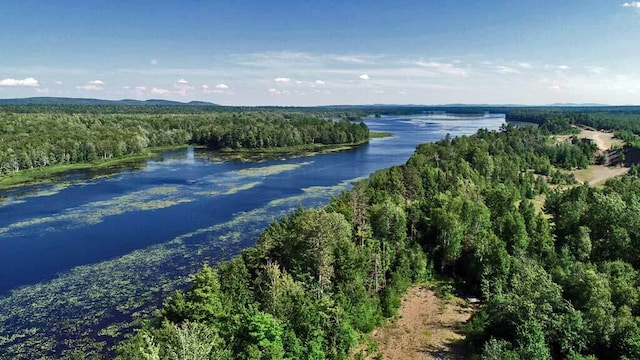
(597, 175)
(604, 140)
(427, 328)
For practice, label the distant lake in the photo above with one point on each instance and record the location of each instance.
(86, 256)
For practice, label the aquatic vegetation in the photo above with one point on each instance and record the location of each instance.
(108, 299)
(95, 212)
(314, 192)
(241, 188)
(19, 196)
(271, 170)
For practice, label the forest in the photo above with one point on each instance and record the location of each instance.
(623, 121)
(561, 284)
(62, 135)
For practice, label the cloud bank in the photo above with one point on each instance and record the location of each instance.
(30, 82)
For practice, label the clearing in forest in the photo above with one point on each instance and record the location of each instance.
(428, 328)
(596, 175)
(604, 140)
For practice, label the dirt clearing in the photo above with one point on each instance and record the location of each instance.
(597, 175)
(427, 328)
(603, 140)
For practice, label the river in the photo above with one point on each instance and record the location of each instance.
(83, 259)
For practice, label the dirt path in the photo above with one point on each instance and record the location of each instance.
(428, 328)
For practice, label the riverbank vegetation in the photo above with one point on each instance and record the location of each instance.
(559, 284)
(64, 139)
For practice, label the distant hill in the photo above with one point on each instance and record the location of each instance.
(81, 101)
(578, 105)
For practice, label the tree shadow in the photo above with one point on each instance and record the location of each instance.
(453, 349)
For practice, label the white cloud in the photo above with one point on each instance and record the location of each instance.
(555, 88)
(524, 65)
(182, 87)
(350, 59)
(218, 89)
(563, 67)
(597, 70)
(444, 68)
(505, 70)
(153, 62)
(634, 4)
(16, 82)
(41, 90)
(159, 91)
(58, 82)
(364, 77)
(320, 82)
(140, 90)
(93, 85)
(282, 79)
(89, 87)
(274, 91)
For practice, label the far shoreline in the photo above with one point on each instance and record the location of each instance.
(45, 175)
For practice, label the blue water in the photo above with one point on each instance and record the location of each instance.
(132, 235)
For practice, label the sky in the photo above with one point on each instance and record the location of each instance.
(283, 52)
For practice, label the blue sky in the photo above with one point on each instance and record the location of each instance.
(323, 52)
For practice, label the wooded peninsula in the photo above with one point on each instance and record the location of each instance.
(38, 140)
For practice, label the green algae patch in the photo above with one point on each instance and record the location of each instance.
(379, 134)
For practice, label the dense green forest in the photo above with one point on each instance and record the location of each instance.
(562, 284)
(66, 135)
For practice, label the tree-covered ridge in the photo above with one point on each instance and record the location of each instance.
(561, 287)
(34, 140)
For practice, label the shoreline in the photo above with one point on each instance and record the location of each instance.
(46, 175)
